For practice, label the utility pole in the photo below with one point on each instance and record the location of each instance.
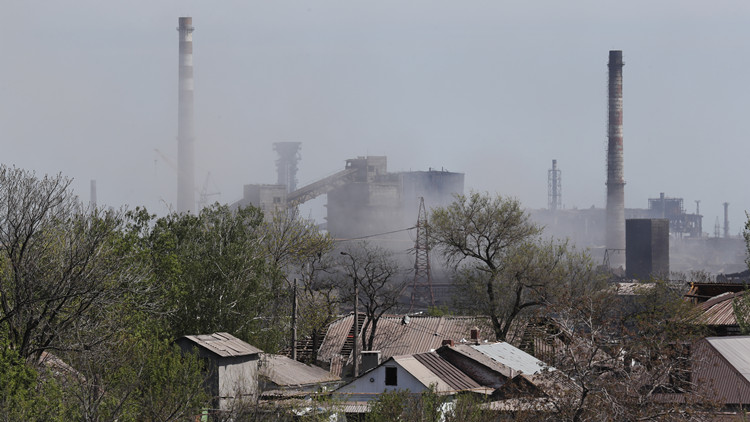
(356, 314)
(294, 322)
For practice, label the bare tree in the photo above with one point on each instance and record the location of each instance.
(622, 357)
(319, 299)
(291, 241)
(379, 279)
(60, 265)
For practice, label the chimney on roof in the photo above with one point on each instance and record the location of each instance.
(370, 360)
(475, 335)
(448, 342)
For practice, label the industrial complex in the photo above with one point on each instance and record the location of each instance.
(365, 199)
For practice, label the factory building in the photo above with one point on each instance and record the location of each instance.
(364, 199)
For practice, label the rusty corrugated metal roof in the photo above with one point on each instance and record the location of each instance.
(396, 337)
(223, 344)
(719, 310)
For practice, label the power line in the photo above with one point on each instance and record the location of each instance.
(375, 235)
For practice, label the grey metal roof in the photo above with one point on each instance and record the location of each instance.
(512, 357)
(431, 370)
(283, 371)
(223, 344)
(452, 376)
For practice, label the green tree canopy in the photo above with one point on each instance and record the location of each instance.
(503, 266)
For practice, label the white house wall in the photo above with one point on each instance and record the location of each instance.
(371, 384)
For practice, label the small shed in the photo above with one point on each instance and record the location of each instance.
(232, 366)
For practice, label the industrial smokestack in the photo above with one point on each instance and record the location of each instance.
(554, 188)
(726, 219)
(185, 124)
(93, 194)
(615, 240)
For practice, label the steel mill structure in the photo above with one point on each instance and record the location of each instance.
(185, 123)
(286, 164)
(615, 220)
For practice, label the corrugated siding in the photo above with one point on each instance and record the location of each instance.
(736, 350)
(714, 376)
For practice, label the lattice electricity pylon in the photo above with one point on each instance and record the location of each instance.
(422, 287)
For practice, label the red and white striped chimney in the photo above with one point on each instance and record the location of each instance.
(615, 240)
(185, 124)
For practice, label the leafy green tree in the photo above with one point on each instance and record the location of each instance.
(300, 253)
(215, 276)
(136, 375)
(503, 268)
(25, 394)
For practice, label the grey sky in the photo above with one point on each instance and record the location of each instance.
(494, 89)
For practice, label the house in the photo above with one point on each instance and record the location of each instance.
(451, 369)
(719, 374)
(416, 373)
(232, 366)
(492, 363)
(721, 370)
(282, 377)
(396, 336)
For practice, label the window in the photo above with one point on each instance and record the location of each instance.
(391, 376)
(276, 200)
